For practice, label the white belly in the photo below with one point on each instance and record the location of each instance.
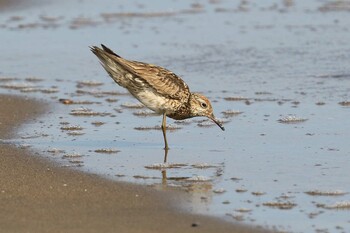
(153, 101)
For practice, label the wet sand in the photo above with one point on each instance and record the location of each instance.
(38, 196)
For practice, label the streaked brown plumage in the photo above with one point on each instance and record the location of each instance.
(157, 88)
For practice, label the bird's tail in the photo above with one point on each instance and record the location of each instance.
(112, 63)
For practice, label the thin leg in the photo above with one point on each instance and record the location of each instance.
(164, 132)
(165, 155)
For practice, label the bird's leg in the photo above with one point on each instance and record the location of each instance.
(166, 148)
(165, 154)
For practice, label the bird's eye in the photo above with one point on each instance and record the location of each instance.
(204, 105)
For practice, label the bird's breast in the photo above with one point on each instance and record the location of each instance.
(181, 113)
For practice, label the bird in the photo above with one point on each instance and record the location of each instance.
(156, 87)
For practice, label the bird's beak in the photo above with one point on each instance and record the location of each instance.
(212, 117)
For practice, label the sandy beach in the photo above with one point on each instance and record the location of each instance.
(38, 196)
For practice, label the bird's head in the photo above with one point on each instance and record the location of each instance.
(201, 106)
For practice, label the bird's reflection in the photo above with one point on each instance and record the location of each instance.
(200, 193)
(201, 190)
(164, 178)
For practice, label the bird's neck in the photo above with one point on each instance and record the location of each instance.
(184, 111)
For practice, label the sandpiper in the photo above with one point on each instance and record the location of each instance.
(157, 88)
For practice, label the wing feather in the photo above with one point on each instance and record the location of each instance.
(145, 76)
(161, 80)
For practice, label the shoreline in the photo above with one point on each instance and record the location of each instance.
(39, 196)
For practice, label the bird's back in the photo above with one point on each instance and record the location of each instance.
(144, 81)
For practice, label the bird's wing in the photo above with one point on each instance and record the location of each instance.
(161, 80)
(146, 76)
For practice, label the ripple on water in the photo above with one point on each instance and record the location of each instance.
(210, 123)
(17, 85)
(87, 112)
(345, 205)
(145, 113)
(72, 127)
(98, 123)
(219, 190)
(75, 133)
(89, 83)
(132, 105)
(203, 165)
(55, 151)
(72, 155)
(160, 166)
(345, 103)
(236, 98)
(157, 127)
(107, 151)
(231, 113)
(199, 179)
(326, 193)
(70, 101)
(291, 119)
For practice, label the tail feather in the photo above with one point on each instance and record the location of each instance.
(109, 61)
(108, 50)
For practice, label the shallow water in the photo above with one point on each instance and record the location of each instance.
(277, 74)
